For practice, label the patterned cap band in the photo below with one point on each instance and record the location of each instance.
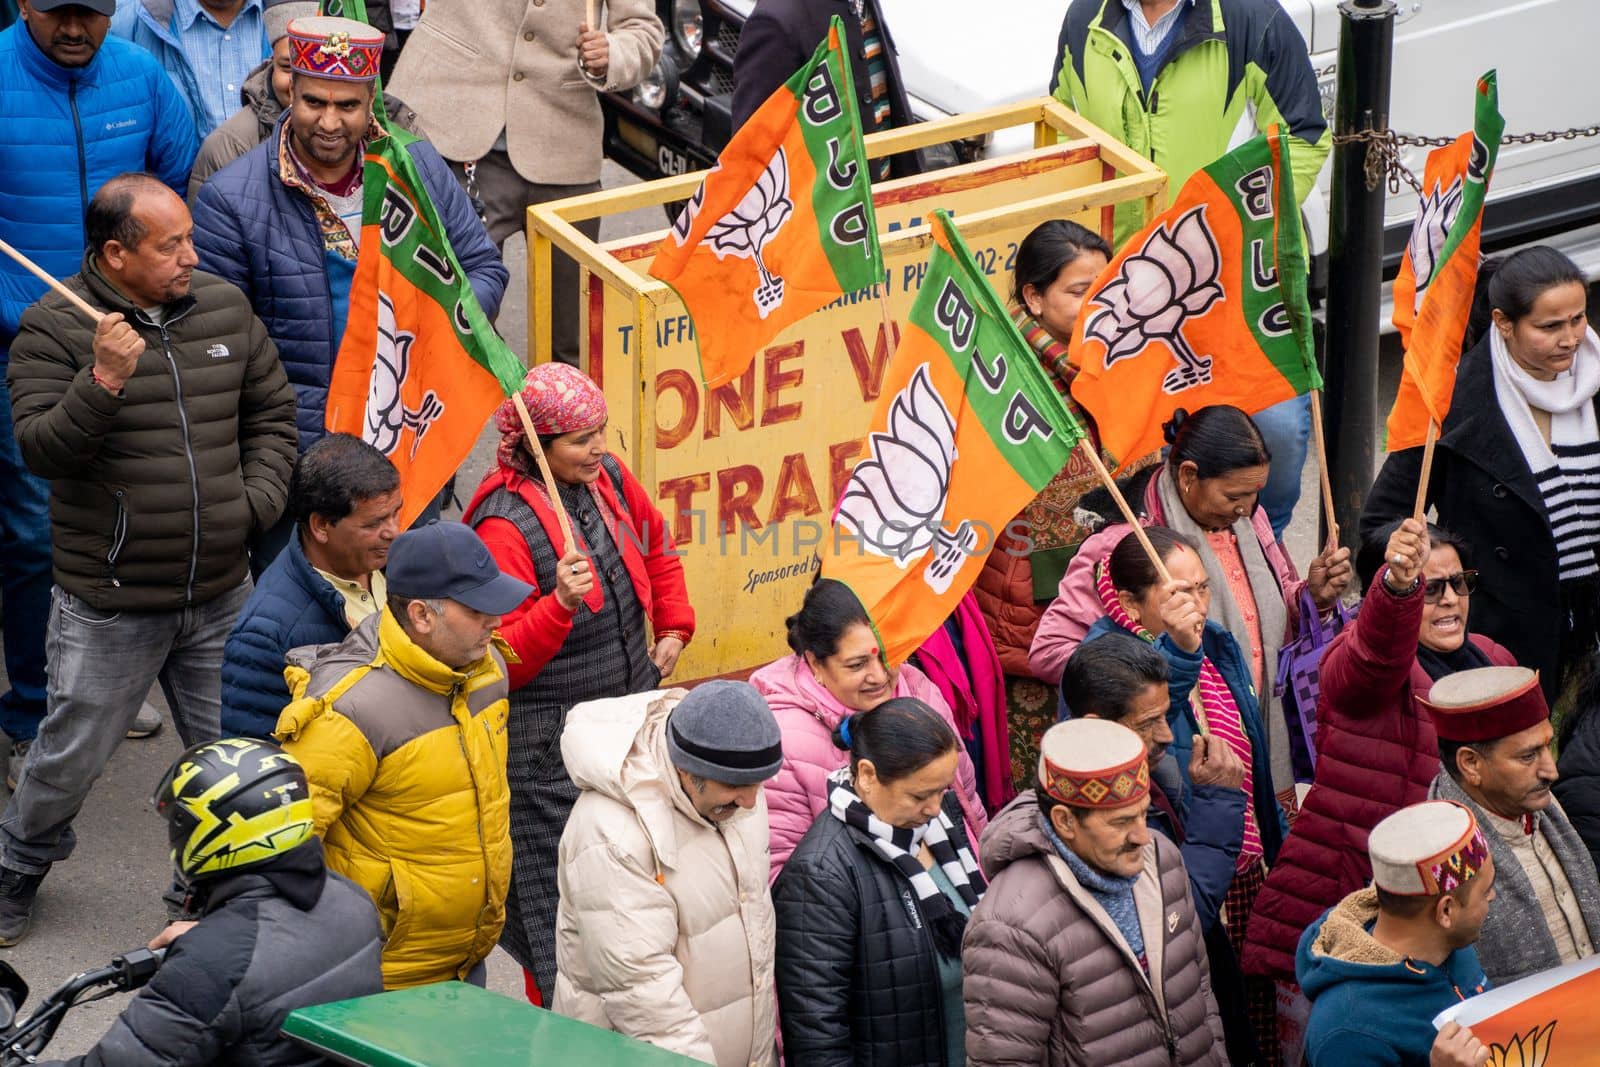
(334, 48)
(1114, 787)
(1458, 868)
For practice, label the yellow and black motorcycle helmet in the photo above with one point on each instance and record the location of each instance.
(233, 804)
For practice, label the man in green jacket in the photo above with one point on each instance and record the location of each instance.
(1181, 81)
(166, 429)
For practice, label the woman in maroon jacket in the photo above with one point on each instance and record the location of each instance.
(1377, 751)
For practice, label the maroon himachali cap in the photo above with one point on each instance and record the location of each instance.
(1486, 703)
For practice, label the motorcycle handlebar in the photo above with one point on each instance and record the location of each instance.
(126, 972)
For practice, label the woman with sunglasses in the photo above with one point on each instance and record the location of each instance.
(1516, 471)
(1376, 749)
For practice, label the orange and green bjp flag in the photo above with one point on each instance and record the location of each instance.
(783, 224)
(1544, 1020)
(420, 369)
(1433, 291)
(1206, 305)
(967, 430)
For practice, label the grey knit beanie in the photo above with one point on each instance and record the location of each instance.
(277, 14)
(723, 731)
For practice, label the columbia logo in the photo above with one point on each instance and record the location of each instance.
(218, 352)
(122, 124)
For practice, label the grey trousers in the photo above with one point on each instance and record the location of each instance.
(506, 196)
(100, 668)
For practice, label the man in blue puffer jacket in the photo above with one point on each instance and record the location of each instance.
(283, 222)
(344, 501)
(75, 110)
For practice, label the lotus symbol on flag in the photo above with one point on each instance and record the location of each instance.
(1173, 277)
(895, 501)
(753, 222)
(1531, 1049)
(1434, 219)
(387, 415)
(691, 209)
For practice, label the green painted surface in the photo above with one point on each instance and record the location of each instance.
(455, 1025)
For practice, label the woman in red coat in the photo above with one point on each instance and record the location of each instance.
(607, 617)
(1377, 751)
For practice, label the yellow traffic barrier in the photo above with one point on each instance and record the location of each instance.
(748, 473)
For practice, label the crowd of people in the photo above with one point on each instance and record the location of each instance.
(1096, 818)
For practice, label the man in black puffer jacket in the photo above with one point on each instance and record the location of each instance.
(167, 432)
(278, 930)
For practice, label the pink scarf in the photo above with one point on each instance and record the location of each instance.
(974, 687)
(1222, 711)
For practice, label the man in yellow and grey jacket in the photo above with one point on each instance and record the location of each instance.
(401, 728)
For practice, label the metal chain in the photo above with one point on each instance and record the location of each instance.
(1383, 150)
(1383, 159)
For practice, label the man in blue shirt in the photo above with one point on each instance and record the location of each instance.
(207, 47)
(75, 110)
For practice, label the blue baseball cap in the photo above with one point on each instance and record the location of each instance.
(448, 561)
(99, 7)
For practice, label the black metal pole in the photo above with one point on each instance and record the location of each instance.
(1355, 257)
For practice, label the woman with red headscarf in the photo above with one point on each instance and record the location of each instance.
(584, 634)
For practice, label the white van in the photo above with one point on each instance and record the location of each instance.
(1548, 78)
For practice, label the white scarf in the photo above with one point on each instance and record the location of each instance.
(1569, 399)
(1567, 482)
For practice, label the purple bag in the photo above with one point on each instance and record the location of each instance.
(1299, 663)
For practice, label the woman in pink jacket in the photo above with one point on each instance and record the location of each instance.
(1206, 490)
(837, 668)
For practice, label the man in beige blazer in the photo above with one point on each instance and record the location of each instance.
(508, 91)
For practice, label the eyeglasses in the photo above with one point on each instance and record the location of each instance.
(1463, 582)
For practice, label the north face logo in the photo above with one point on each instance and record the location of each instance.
(218, 351)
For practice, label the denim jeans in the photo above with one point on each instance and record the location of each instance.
(24, 580)
(1286, 427)
(101, 667)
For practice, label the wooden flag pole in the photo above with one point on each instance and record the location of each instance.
(591, 12)
(544, 468)
(1322, 464)
(1104, 475)
(889, 340)
(33, 268)
(1427, 469)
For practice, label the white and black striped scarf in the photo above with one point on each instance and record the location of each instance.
(1567, 468)
(899, 847)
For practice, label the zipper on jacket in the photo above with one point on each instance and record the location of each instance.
(188, 452)
(458, 689)
(83, 160)
(119, 536)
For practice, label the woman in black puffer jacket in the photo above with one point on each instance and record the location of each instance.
(873, 902)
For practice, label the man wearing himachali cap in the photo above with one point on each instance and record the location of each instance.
(1086, 949)
(283, 222)
(1494, 750)
(1380, 964)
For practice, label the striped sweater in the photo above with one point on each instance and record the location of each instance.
(1571, 491)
